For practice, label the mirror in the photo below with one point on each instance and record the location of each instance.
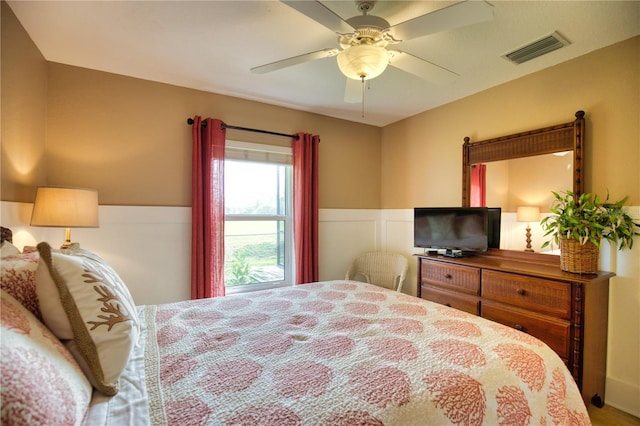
(526, 147)
(521, 170)
(527, 181)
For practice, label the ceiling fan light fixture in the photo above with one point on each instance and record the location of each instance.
(363, 61)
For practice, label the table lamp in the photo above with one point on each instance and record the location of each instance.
(61, 207)
(528, 214)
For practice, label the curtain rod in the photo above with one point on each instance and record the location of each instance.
(246, 129)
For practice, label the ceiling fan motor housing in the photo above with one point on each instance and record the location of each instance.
(369, 21)
(365, 55)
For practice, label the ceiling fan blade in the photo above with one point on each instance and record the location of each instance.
(455, 16)
(423, 69)
(321, 14)
(352, 91)
(295, 60)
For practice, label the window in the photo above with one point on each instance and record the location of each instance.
(258, 217)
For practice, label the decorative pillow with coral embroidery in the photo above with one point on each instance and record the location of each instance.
(18, 276)
(84, 301)
(41, 381)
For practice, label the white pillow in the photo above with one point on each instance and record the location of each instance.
(7, 249)
(84, 301)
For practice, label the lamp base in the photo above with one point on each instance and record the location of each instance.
(528, 248)
(67, 239)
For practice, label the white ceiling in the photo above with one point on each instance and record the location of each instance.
(211, 46)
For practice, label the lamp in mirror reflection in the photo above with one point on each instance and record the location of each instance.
(528, 214)
(63, 207)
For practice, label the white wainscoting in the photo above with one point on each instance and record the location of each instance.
(150, 248)
(344, 234)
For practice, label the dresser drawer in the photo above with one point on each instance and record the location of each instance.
(459, 278)
(554, 332)
(458, 301)
(537, 294)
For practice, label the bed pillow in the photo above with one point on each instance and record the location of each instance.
(18, 276)
(8, 249)
(41, 381)
(84, 301)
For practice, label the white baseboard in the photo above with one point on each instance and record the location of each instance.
(623, 396)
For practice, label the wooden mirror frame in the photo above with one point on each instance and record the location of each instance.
(547, 140)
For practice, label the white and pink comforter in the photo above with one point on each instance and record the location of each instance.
(336, 353)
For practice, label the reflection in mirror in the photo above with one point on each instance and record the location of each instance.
(527, 181)
(519, 182)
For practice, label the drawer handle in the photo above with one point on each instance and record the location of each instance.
(518, 327)
(521, 291)
(448, 276)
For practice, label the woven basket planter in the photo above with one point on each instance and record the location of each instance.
(578, 258)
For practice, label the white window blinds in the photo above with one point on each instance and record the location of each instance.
(246, 151)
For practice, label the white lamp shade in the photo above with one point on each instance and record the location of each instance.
(65, 207)
(363, 60)
(528, 214)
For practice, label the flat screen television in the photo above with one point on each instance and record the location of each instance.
(465, 229)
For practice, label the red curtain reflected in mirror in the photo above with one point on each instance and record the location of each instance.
(478, 192)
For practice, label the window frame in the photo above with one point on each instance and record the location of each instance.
(275, 155)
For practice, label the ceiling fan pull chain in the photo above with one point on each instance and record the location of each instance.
(362, 77)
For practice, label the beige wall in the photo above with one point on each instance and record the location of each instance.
(423, 154)
(129, 139)
(23, 107)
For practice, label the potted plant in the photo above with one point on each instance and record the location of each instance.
(578, 225)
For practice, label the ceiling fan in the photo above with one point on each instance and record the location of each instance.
(364, 40)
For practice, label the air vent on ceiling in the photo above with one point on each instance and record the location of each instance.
(538, 48)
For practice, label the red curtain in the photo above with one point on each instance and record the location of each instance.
(207, 226)
(305, 206)
(478, 185)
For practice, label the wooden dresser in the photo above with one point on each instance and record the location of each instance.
(529, 292)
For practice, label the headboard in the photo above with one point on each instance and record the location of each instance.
(561, 137)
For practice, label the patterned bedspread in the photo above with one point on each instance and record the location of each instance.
(336, 353)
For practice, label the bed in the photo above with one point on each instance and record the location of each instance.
(326, 353)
